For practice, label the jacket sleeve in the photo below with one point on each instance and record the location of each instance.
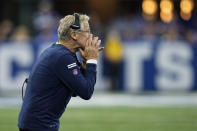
(82, 84)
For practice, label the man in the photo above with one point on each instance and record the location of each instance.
(57, 75)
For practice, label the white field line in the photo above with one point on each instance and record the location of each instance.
(121, 100)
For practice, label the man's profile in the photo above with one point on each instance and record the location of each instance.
(57, 75)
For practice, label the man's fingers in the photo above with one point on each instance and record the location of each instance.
(98, 43)
(95, 39)
(90, 40)
(101, 48)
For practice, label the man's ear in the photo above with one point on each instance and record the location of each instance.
(73, 35)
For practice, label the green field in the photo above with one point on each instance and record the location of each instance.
(116, 119)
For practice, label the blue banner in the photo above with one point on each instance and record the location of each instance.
(162, 65)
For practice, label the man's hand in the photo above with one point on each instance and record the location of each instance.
(91, 49)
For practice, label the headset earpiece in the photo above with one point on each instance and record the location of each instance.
(76, 24)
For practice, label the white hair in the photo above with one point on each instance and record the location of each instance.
(65, 23)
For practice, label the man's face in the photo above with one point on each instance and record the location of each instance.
(83, 35)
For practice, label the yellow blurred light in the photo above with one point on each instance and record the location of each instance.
(166, 6)
(149, 7)
(167, 18)
(185, 16)
(187, 6)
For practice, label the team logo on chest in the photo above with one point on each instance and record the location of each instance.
(75, 71)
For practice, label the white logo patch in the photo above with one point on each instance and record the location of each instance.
(71, 65)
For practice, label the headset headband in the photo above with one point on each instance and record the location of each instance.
(76, 24)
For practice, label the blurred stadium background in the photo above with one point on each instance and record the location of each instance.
(147, 74)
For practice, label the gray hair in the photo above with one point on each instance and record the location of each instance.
(65, 23)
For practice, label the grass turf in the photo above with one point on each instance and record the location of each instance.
(116, 119)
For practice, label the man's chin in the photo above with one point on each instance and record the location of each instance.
(81, 48)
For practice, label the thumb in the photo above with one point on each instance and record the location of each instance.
(101, 48)
(81, 51)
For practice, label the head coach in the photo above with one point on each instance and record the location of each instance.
(57, 75)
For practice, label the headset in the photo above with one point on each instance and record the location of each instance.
(76, 24)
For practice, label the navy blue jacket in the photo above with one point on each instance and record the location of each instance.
(54, 79)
